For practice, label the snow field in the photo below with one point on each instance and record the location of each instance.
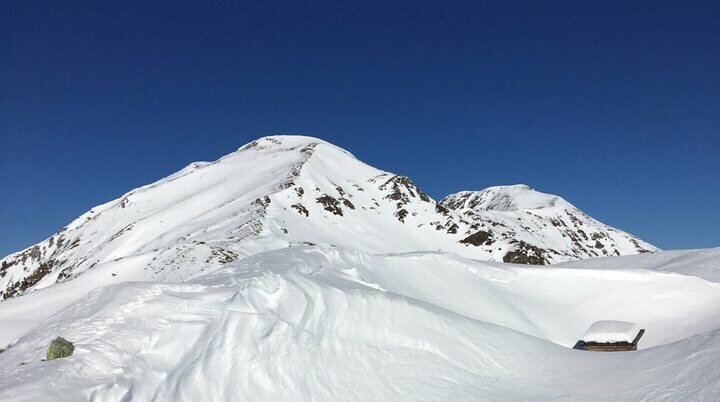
(331, 324)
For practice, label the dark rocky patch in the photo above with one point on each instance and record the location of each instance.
(397, 184)
(347, 203)
(29, 281)
(401, 214)
(330, 204)
(639, 248)
(478, 239)
(119, 232)
(441, 209)
(64, 274)
(263, 202)
(222, 255)
(301, 209)
(526, 254)
(249, 146)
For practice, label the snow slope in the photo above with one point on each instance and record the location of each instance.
(291, 271)
(703, 263)
(289, 191)
(322, 323)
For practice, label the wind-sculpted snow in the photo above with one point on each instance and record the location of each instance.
(700, 263)
(331, 324)
(283, 191)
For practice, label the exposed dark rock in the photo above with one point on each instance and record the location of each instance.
(639, 248)
(119, 233)
(401, 214)
(308, 149)
(347, 203)
(264, 201)
(5, 265)
(598, 244)
(301, 209)
(441, 209)
(330, 204)
(29, 281)
(223, 256)
(401, 187)
(64, 274)
(249, 146)
(526, 254)
(478, 239)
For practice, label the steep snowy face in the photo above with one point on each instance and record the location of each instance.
(544, 228)
(289, 191)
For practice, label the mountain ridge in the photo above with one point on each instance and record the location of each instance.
(286, 191)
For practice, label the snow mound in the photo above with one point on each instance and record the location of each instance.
(700, 263)
(611, 331)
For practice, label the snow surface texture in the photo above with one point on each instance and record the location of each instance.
(291, 271)
(331, 324)
(611, 331)
(292, 191)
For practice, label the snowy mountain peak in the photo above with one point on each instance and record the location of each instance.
(502, 198)
(289, 191)
(286, 142)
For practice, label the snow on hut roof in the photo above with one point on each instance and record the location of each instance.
(611, 331)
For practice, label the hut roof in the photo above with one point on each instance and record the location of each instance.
(611, 331)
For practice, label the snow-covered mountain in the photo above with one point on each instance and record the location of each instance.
(290, 191)
(289, 270)
(543, 227)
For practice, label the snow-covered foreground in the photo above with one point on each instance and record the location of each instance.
(331, 324)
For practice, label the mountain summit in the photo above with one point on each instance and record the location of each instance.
(502, 198)
(288, 191)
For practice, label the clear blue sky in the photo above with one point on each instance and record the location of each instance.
(614, 105)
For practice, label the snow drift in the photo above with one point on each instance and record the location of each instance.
(329, 324)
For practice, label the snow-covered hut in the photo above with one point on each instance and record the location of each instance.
(610, 336)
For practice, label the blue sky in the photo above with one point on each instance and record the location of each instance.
(613, 105)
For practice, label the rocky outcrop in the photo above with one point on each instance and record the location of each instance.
(59, 348)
